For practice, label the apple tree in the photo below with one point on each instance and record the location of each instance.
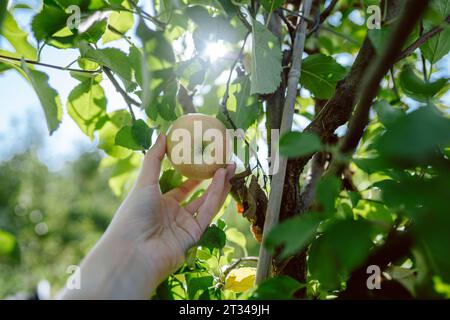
(357, 90)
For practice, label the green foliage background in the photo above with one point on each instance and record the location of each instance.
(400, 171)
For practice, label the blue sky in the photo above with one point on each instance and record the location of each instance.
(21, 116)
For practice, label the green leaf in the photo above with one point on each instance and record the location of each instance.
(86, 105)
(135, 137)
(170, 179)
(142, 134)
(237, 237)
(7, 243)
(266, 60)
(386, 113)
(417, 88)
(213, 238)
(439, 45)
(124, 138)
(271, 5)
(17, 37)
(122, 21)
(48, 21)
(342, 248)
(94, 32)
(113, 58)
(328, 188)
(197, 284)
(157, 46)
(320, 75)
(415, 137)
(108, 132)
(247, 107)
(9, 248)
(293, 234)
(296, 144)
(121, 171)
(380, 37)
(276, 288)
(48, 97)
(165, 104)
(3, 12)
(156, 59)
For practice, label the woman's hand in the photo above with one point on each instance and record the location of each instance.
(150, 234)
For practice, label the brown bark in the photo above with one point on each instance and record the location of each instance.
(336, 112)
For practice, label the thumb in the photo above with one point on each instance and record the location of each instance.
(151, 164)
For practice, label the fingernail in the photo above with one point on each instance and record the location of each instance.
(221, 172)
(230, 171)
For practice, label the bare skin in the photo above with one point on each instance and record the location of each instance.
(149, 235)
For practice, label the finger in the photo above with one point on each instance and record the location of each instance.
(231, 168)
(193, 206)
(181, 193)
(151, 165)
(213, 201)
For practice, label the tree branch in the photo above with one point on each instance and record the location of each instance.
(309, 192)
(227, 86)
(404, 25)
(276, 190)
(326, 13)
(424, 38)
(48, 65)
(129, 101)
(235, 263)
(145, 15)
(226, 95)
(397, 245)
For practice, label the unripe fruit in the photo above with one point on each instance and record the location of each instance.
(198, 145)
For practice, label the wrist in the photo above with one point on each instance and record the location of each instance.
(114, 269)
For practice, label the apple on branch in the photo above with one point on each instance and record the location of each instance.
(198, 145)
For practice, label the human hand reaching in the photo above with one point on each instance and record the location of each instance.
(150, 233)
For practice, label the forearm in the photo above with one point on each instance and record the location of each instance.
(114, 270)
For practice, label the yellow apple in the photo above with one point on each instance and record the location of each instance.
(198, 145)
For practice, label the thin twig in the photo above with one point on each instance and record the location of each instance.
(298, 14)
(346, 37)
(145, 15)
(48, 65)
(276, 190)
(124, 36)
(291, 28)
(226, 95)
(235, 263)
(394, 85)
(424, 38)
(242, 16)
(321, 26)
(129, 101)
(41, 47)
(326, 13)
